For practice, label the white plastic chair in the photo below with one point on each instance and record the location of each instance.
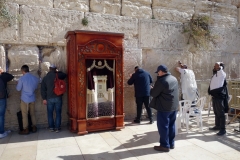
(210, 107)
(177, 123)
(196, 112)
(183, 108)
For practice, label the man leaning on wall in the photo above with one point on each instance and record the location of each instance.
(141, 80)
(53, 101)
(4, 78)
(27, 84)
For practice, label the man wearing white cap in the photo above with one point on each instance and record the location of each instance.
(219, 93)
(53, 101)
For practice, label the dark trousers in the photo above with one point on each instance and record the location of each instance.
(218, 109)
(140, 101)
(166, 128)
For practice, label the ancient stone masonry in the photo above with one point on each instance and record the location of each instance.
(106, 7)
(78, 5)
(153, 34)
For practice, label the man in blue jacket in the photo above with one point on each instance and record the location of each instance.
(141, 80)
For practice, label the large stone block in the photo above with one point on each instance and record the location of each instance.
(10, 34)
(57, 57)
(173, 10)
(2, 58)
(132, 58)
(227, 39)
(111, 23)
(46, 3)
(46, 26)
(79, 5)
(160, 34)
(224, 15)
(106, 6)
(204, 7)
(130, 108)
(20, 55)
(137, 8)
(152, 58)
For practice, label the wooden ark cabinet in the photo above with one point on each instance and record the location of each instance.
(101, 50)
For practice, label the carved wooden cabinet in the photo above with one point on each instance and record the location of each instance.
(95, 81)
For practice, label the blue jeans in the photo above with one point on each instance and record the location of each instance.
(166, 128)
(3, 103)
(54, 104)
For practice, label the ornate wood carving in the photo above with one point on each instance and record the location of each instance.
(99, 47)
(84, 45)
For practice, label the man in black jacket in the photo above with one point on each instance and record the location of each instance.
(219, 93)
(141, 80)
(165, 101)
(51, 99)
(4, 78)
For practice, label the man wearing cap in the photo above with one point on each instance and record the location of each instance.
(50, 99)
(165, 101)
(27, 84)
(141, 80)
(188, 83)
(218, 91)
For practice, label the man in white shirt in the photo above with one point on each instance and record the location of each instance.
(219, 93)
(188, 83)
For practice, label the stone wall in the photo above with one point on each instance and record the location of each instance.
(152, 36)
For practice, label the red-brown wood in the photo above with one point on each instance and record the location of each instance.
(82, 45)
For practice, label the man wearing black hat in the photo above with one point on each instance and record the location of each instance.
(165, 101)
(53, 101)
(141, 80)
(218, 90)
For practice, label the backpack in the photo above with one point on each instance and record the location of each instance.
(59, 86)
(3, 91)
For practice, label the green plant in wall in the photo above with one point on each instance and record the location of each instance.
(84, 21)
(199, 31)
(6, 17)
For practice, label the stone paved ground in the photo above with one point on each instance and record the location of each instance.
(133, 142)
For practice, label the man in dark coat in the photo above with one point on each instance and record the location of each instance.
(219, 93)
(165, 101)
(141, 80)
(4, 78)
(53, 101)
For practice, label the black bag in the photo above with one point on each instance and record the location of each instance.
(20, 122)
(3, 90)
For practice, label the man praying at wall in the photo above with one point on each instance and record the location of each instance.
(219, 93)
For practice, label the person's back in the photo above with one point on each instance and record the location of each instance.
(141, 80)
(53, 101)
(28, 83)
(166, 93)
(48, 83)
(188, 84)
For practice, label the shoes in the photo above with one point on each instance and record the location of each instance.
(24, 132)
(161, 149)
(221, 132)
(151, 122)
(136, 121)
(3, 135)
(214, 128)
(172, 147)
(51, 129)
(58, 130)
(34, 129)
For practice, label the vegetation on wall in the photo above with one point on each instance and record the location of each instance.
(6, 17)
(199, 31)
(84, 21)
